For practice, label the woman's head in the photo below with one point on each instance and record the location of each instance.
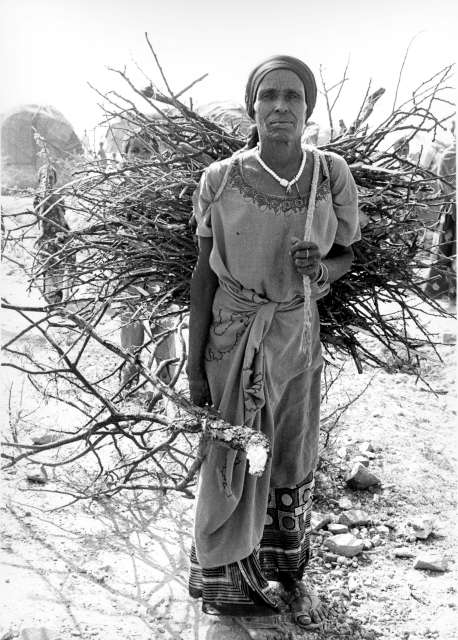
(280, 96)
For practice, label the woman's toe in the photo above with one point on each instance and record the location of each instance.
(304, 620)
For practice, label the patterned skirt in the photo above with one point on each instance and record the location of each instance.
(282, 556)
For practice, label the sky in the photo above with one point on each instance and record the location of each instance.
(51, 49)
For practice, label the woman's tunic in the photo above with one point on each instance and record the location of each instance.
(255, 367)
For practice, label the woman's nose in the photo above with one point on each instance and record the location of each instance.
(281, 104)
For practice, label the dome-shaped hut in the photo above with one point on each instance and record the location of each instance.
(19, 148)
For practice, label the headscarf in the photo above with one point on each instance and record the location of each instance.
(281, 62)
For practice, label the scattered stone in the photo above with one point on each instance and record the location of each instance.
(403, 552)
(361, 478)
(344, 544)
(329, 557)
(367, 454)
(319, 520)
(353, 518)
(7, 635)
(431, 561)
(422, 526)
(360, 460)
(366, 446)
(336, 528)
(37, 475)
(353, 584)
(383, 529)
(345, 503)
(376, 541)
(376, 497)
(367, 544)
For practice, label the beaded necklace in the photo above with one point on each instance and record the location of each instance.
(287, 184)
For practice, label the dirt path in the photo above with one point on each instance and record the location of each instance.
(116, 569)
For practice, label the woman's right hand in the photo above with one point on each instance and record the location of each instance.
(199, 390)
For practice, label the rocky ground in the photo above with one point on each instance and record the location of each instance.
(116, 569)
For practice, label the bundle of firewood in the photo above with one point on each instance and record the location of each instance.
(137, 213)
(132, 246)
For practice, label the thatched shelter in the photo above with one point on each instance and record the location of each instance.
(19, 148)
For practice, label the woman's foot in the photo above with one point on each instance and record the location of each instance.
(305, 606)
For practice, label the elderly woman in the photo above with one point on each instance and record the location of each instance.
(275, 224)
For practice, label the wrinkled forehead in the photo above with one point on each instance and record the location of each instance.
(283, 79)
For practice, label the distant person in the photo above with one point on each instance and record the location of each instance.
(442, 275)
(86, 144)
(132, 330)
(102, 156)
(52, 266)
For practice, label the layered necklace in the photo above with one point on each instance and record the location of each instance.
(287, 184)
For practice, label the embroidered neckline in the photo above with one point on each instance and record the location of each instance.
(278, 204)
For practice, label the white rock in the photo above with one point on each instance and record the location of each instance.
(336, 528)
(344, 544)
(319, 520)
(376, 541)
(38, 476)
(353, 584)
(381, 528)
(360, 460)
(431, 561)
(403, 552)
(353, 518)
(422, 526)
(345, 503)
(367, 454)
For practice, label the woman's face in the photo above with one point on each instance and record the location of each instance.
(280, 107)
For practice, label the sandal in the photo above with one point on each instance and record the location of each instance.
(276, 627)
(304, 604)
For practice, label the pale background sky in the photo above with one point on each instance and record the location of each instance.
(50, 49)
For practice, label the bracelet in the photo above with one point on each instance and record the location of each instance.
(323, 276)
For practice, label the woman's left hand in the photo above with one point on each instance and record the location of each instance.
(306, 258)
